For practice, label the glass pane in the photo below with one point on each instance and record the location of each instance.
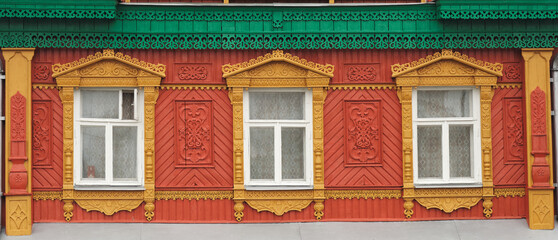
(292, 151)
(262, 155)
(124, 151)
(93, 151)
(460, 150)
(277, 105)
(128, 104)
(441, 104)
(429, 151)
(99, 104)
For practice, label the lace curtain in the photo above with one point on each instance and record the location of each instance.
(262, 155)
(443, 104)
(277, 105)
(99, 104)
(124, 151)
(93, 151)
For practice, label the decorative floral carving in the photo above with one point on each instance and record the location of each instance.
(192, 73)
(42, 132)
(513, 129)
(41, 72)
(277, 55)
(398, 69)
(512, 73)
(109, 207)
(509, 192)
(363, 135)
(111, 68)
(18, 117)
(194, 126)
(361, 74)
(448, 205)
(278, 207)
(18, 216)
(538, 111)
(190, 195)
(51, 195)
(365, 194)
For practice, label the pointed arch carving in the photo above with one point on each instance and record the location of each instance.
(447, 68)
(278, 69)
(108, 69)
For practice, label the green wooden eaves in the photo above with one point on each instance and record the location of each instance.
(86, 9)
(498, 9)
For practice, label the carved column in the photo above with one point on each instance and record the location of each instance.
(406, 100)
(151, 93)
(19, 219)
(67, 98)
(538, 129)
(236, 96)
(318, 98)
(486, 94)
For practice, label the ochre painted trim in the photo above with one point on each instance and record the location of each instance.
(108, 69)
(509, 85)
(364, 194)
(361, 86)
(447, 68)
(193, 195)
(509, 192)
(282, 70)
(195, 87)
(45, 86)
(47, 195)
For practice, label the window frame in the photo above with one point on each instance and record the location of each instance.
(278, 183)
(476, 153)
(109, 183)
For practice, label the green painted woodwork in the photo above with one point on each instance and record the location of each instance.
(402, 26)
(498, 9)
(58, 8)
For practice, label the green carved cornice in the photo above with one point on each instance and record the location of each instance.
(187, 27)
(58, 8)
(498, 9)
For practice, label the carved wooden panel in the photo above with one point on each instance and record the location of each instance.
(42, 133)
(361, 73)
(47, 156)
(193, 133)
(363, 132)
(188, 73)
(513, 130)
(508, 137)
(41, 72)
(337, 129)
(171, 175)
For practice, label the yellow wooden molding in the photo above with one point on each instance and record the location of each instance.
(195, 87)
(283, 70)
(277, 56)
(447, 68)
(108, 54)
(50, 195)
(19, 219)
(446, 54)
(509, 85)
(364, 194)
(45, 86)
(193, 195)
(509, 192)
(109, 69)
(361, 86)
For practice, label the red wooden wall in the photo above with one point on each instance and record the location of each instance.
(374, 166)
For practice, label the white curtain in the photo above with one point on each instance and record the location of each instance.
(442, 104)
(262, 155)
(429, 151)
(124, 142)
(277, 105)
(93, 151)
(460, 150)
(292, 151)
(99, 104)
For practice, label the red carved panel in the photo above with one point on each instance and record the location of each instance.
(337, 139)
(46, 151)
(541, 168)
(18, 118)
(508, 137)
(193, 133)
(538, 111)
(512, 72)
(513, 130)
(173, 176)
(363, 132)
(42, 133)
(190, 73)
(18, 174)
(41, 73)
(361, 73)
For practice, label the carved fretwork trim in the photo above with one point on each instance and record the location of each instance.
(190, 195)
(45, 86)
(509, 192)
(109, 69)
(509, 85)
(50, 195)
(282, 70)
(361, 86)
(447, 68)
(195, 87)
(364, 194)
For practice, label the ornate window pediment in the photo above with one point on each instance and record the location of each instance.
(447, 69)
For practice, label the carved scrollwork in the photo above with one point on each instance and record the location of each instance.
(109, 207)
(278, 207)
(448, 204)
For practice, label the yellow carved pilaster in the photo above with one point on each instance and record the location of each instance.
(447, 68)
(274, 70)
(18, 80)
(537, 75)
(109, 69)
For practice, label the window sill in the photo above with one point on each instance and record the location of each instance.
(279, 188)
(448, 185)
(109, 188)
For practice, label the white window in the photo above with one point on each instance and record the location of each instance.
(278, 138)
(446, 137)
(108, 137)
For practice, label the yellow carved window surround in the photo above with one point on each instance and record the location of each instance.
(447, 68)
(108, 69)
(278, 70)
